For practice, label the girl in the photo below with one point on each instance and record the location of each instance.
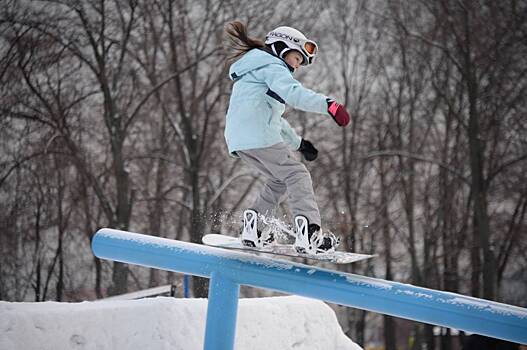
(256, 132)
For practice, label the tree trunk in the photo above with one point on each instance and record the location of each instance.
(156, 213)
(478, 183)
(390, 340)
(59, 288)
(38, 267)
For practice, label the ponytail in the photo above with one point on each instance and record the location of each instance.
(239, 41)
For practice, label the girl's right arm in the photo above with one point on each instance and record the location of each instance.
(280, 80)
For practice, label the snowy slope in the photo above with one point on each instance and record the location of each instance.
(168, 323)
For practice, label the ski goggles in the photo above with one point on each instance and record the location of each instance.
(309, 47)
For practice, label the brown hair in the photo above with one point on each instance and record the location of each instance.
(239, 41)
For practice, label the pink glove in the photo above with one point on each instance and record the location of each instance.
(338, 112)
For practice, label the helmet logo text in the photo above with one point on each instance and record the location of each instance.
(284, 36)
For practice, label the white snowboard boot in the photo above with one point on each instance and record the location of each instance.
(311, 240)
(252, 235)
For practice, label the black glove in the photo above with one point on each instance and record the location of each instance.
(307, 149)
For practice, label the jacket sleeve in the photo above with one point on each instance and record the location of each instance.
(280, 80)
(289, 135)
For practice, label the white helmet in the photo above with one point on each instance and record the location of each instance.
(293, 40)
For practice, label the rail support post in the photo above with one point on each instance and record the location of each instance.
(221, 313)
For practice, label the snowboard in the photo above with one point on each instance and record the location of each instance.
(337, 257)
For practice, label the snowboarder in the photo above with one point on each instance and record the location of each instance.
(256, 132)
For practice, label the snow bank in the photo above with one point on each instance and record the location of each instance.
(168, 323)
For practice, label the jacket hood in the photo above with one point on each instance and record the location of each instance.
(254, 59)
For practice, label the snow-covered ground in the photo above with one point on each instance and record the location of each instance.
(168, 323)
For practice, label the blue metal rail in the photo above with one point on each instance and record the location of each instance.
(228, 270)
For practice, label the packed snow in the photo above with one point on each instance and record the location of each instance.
(168, 323)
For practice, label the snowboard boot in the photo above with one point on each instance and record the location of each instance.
(311, 240)
(251, 235)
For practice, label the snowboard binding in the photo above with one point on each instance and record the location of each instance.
(311, 240)
(251, 235)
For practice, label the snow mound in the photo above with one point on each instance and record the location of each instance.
(168, 323)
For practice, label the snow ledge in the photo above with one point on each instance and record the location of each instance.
(168, 323)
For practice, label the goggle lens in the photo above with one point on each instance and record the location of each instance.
(310, 48)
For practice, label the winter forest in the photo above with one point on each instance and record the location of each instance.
(112, 115)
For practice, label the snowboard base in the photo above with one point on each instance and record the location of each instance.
(337, 257)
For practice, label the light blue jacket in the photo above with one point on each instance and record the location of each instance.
(263, 84)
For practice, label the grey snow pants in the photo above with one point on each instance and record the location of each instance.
(284, 176)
